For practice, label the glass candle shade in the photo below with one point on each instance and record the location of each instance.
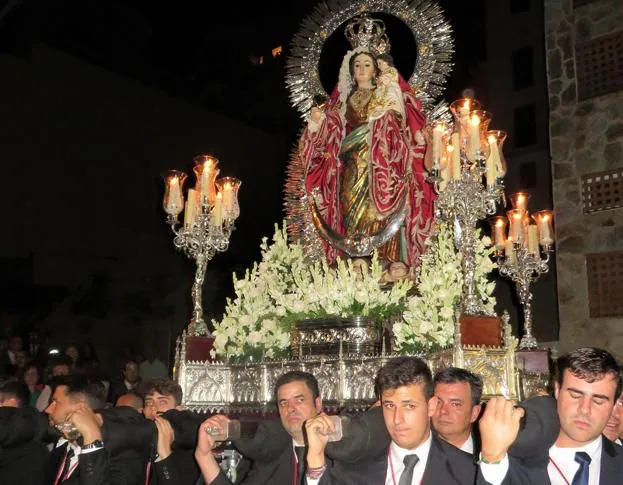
(520, 201)
(206, 171)
(516, 221)
(498, 231)
(500, 137)
(461, 110)
(173, 201)
(229, 186)
(544, 221)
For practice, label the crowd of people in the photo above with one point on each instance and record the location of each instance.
(424, 429)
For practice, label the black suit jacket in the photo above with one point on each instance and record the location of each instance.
(445, 465)
(533, 470)
(92, 469)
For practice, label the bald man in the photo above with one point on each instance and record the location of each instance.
(131, 400)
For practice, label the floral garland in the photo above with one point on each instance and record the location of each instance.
(428, 321)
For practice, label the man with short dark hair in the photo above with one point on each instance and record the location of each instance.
(458, 392)
(81, 449)
(298, 399)
(587, 388)
(23, 455)
(172, 463)
(129, 383)
(14, 393)
(414, 456)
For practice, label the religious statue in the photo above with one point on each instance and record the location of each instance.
(363, 156)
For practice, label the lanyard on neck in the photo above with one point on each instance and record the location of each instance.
(391, 466)
(559, 470)
(60, 477)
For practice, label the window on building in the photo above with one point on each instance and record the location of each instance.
(527, 175)
(277, 51)
(524, 119)
(519, 6)
(523, 75)
(599, 65)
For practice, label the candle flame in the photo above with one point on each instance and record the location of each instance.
(219, 196)
(450, 148)
(492, 139)
(545, 217)
(174, 180)
(475, 120)
(227, 186)
(499, 223)
(466, 103)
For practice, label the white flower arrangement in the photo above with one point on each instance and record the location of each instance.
(283, 288)
(428, 321)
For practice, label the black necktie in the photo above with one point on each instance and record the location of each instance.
(581, 476)
(69, 454)
(407, 474)
(300, 464)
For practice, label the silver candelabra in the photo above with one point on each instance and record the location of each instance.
(465, 201)
(209, 214)
(466, 166)
(524, 267)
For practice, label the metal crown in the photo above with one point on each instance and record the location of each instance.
(367, 33)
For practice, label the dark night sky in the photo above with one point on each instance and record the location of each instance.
(200, 52)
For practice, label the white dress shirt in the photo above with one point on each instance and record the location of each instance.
(565, 460)
(73, 462)
(397, 454)
(395, 462)
(468, 446)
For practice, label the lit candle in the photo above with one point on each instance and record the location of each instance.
(509, 249)
(207, 181)
(533, 239)
(464, 109)
(175, 202)
(499, 236)
(456, 156)
(474, 136)
(515, 231)
(520, 201)
(438, 131)
(190, 213)
(546, 233)
(492, 161)
(217, 210)
(228, 198)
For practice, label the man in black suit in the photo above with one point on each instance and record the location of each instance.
(415, 455)
(23, 455)
(79, 457)
(458, 392)
(588, 384)
(298, 399)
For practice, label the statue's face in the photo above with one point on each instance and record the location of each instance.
(363, 69)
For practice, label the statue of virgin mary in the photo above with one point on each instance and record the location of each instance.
(363, 156)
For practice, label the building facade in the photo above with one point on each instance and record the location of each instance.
(584, 51)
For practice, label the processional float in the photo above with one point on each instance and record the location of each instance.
(463, 168)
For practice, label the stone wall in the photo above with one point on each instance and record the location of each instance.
(585, 137)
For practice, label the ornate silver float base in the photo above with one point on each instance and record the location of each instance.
(346, 382)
